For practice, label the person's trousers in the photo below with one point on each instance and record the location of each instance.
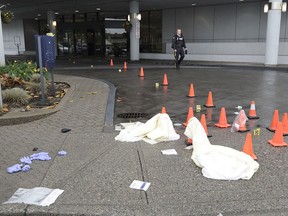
(179, 53)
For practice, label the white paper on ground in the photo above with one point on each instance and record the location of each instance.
(140, 185)
(119, 127)
(189, 147)
(40, 196)
(169, 152)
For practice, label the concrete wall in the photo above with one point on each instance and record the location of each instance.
(229, 32)
(15, 28)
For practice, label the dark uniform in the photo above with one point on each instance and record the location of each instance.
(178, 44)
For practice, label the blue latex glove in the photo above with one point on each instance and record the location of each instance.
(26, 168)
(26, 160)
(15, 168)
(40, 156)
(62, 153)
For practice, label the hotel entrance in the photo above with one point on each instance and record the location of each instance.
(81, 35)
(91, 35)
(79, 42)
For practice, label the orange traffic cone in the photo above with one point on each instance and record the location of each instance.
(248, 146)
(189, 141)
(243, 128)
(189, 116)
(285, 124)
(278, 139)
(209, 102)
(222, 123)
(165, 80)
(111, 63)
(163, 110)
(252, 112)
(125, 65)
(141, 73)
(203, 123)
(191, 93)
(274, 122)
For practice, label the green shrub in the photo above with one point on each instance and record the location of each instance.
(36, 78)
(35, 87)
(17, 96)
(22, 69)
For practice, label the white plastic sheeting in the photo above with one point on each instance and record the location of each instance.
(216, 161)
(157, 129)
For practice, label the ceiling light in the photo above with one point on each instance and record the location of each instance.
(38, 15)
(98, 8)
(76, 11)
(56, 13)
(266, 8)
(284, 7)
(193, 4)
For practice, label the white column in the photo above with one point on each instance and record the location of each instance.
(50, 18)
(135, 31)
(2, 56)
(273, 33)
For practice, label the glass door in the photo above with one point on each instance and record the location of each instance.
(81, 43)
(65, 43)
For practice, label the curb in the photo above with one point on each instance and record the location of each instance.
(109, 115)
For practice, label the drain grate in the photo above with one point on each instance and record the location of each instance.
(132, 115)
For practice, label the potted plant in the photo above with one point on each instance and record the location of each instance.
(127, 26)
(7, 16)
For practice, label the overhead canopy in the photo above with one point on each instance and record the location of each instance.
(31, 9)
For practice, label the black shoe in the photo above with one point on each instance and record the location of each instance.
(65, 130)
(177, 66)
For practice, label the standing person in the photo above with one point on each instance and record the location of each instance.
(179, 46)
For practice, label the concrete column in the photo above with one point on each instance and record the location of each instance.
(135, 31)
(273, 33)
(2, 56)
(50, 18)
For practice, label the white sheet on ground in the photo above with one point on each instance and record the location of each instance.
(216, 161)
(157, 129)
(40, 196)
(169, 152)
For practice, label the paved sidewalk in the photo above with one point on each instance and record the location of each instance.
(97, 172)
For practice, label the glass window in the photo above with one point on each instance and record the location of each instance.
(91, 17)
(68, 18)
(116, 42)
(151, 32)
(79, 18)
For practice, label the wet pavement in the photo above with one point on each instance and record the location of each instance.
(97, 172)
(231, 87)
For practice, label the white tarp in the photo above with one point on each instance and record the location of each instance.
(40, 196)
(218, 162)
(157, 129)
